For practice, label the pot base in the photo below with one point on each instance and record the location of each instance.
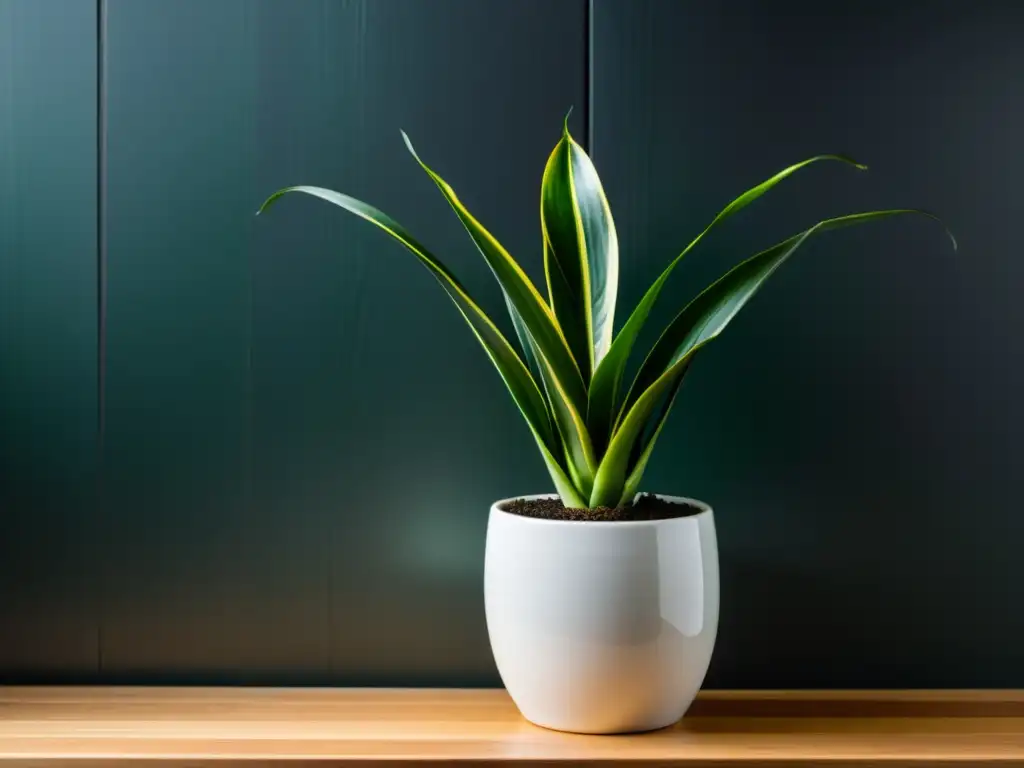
(584, 731)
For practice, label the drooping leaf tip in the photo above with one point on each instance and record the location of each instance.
(848, 160)
(269, 201)
(946, 229)
(408, 144)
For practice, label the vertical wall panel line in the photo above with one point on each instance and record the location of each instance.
(101, 308)
(588, 74)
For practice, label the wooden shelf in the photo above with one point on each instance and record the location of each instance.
(225, 727)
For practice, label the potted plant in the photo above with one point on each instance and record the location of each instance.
(601, 602)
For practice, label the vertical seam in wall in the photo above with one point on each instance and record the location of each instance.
(588, 74)
(101, 315)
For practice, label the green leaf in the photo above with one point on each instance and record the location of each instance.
(577, 450)
(517, 378)
(579, 453)
(523, 295)
(529, 355)
(607, 380)
(700, 322)
(645, 445)
(567, 392)
(581, 252)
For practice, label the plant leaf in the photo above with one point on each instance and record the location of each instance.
(517, 378)
(567, 392)
(607, 380)
(579, 460)
(700, 322)
(646, 444)
(579, 453)
(523, 295)
(529, 355)
(581, 252)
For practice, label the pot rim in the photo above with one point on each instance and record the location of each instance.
(705, 511)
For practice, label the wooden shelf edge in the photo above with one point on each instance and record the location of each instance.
(89, 727)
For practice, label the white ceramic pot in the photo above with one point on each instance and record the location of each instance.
(602, 627)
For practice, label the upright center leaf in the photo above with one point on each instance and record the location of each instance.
(581, 252)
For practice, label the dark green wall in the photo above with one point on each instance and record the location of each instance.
(302, 437)
(856, 427)
(48, 337)
(298, 439)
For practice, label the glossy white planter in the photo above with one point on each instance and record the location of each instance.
(602, 627)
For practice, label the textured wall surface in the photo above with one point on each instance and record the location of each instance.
(48, 336)
(856, 427)
(287, 475)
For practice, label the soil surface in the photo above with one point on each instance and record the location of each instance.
(646, 507)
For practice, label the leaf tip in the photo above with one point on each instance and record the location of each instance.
(849, 161)
(565, 123)
(946, 229)
(269, 201)
(408, 144)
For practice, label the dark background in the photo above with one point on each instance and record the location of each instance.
(262, 450)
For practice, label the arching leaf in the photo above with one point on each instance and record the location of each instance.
(607, 379)
(513, 371)
(700, 322)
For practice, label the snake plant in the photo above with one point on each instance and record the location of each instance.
(567, 373)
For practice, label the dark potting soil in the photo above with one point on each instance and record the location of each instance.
(646, 507)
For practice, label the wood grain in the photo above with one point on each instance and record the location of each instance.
(224, 727)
